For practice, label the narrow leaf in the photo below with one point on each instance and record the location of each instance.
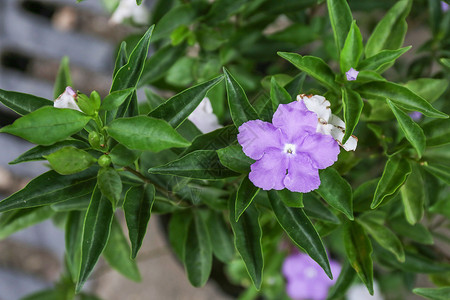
(63, 78)
(247, 191)
(115, 99)
(413, 196)
(178, 229)
(22, 103)
(221, 237)
(433, 293)
(17, 220)
(213, 140)
(278, 94)
(121, 59)
(440, 171)
(341, 20)
(381, 59)
(353, 106)
(234, 159)
(110, 184)
(352, 50)
(73, 238)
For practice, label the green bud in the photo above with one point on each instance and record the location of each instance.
(94, 139)
(104, 160)
(95, 98)
(85, 104)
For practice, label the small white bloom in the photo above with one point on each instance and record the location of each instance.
(204, 118)
(328, 123)
(128, 9)
(67, 100)
(359, 292)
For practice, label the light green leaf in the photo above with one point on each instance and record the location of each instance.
(122, 58)
(63, 78)
(110, 184)
(146, 134)
(352, 50)
(413, 196)
(353, 106)
(235, 159)
(47, 125)
(433, 293)
(22, 103)
(221, 237)
(428, 88)
(14, 221)
(341, 20)
(379, 61)
(247, 191)
(115, 99)
(70, 160)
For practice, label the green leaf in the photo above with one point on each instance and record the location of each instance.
(246, 192)
(122, 156)
(433, 293)
(413, 196)
(299, 228)
(390, 31)
(353, 106)
(440, 171)
(178, 229)
(314, 67)
(47, 125)
(121, 59)
(247, 240)
(110, 184)
(96, 229)
(296, 85)
(240, 109)
(200, 164)
(379, 61)
(63, 78)
(336, 191)
(115, 99)
(291, 199)
(22, 103)
(213, 140)
(73, 241)
(14, 221)
(176, 109)
(145, 133)
(137, 207)
(79, 203)
(341, 20)
(50, 188)
(221, 237)
(402, 96)
(315, 209)
(235, 159)
(359, 250)
(413, 133)
(394, 175)
(38, 152)
(352, 50)
(221, 10)
(70, 160)
(416, 232)
(180, 15)
(50, 294)
(345, 279)
(437, 132)
(198, 252)
(278, 94)
(386, 238)
(117, 253)
(428, 88)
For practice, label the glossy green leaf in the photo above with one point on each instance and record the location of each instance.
(63, 78)
(385, 237)
(47, 125)
(428, 88)
(213, 140)
(352, 50)
(314, 67)
(117, 253)
(299, 228)
(336, 191)
(341, 20)
(73, 236)
(122, 156)
(413, 133)
(96, 229)
(413, 196)
(50, 188)
(353, 106)
(240, 109)
(441, 293)
(178, 229)
(440, 171)
(291, 199)
(278, 94)
(137, 207)
(247, 240)
(70, 160)
(110, 184)
(390, 31)
(145, 133)
(200, 164)
(295, 86)
(345, 279)
(378, 61)
(180, 15)
(437, 132)
(176, 109)
(22, 103)
(316, 209)
(115, 99)
(198, 252)
(246, 192)
(234, 159)
(121, 58)
(394, 175)
(221, 237)
(38, 152)
(416, 232)
(402, 96)
(14, 221)
(359, 251)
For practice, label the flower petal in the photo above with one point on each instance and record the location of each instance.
(322, 149)
(338, 134)
(256, 136)
(269, 172)
(302, 177)
(294, 120)
(317, 104)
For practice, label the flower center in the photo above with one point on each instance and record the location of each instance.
(310, 272)
(289, 148)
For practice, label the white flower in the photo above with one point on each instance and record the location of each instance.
(359, 292)
(128, 9)
(328, 123)
(67, 100)
(204, 118)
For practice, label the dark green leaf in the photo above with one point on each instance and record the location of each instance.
(353, 106)
(437, 132)
(180, 15)
(178, 230)
(315, 209)
(234, 159)
(22, 103)
(416, 232)
(221, 237)
(247, 191)
(341, 20)
(48, 125)
(63, 79)
(413, 196)
(278, 94)
(14, 221)
(79, 203)
(110, 184)
(122, 156)
(221, 10)
(299, 228)
(73, 238)
(291, 199)
(345, 279)
(440, 171)
(352, 50)
(428, 88)
(214, 140)
(433, 293)
(378, 61)
(121, 59)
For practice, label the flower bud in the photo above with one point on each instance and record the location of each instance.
(67, 100)
(94, 139)
(85, 104)
(104, 161)
(96, 100)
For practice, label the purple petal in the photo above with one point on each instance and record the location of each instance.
(256, 136)
(268, 172)
(294, 119)
(302, 177)
(298, 289)
(351, 74)
(322, 149)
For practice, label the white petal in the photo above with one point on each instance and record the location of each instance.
(336, 121)
(324, 128)
(317, 104)
(204, 118)
(337, 133)
(67, 100)
(359, 292)
(128, 9)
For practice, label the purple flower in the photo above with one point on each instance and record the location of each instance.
(351, 74)
(289, 152)
(415, 115)
(306, 279)
(444, 6)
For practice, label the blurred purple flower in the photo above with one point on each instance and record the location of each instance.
(415, 115)
(306, 279)
(288, 152)
(351, 74)
(444, 6)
